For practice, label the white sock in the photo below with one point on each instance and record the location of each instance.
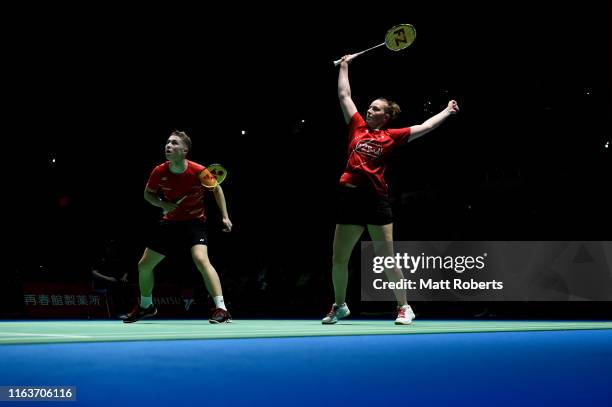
(145, 302)
(219, 303)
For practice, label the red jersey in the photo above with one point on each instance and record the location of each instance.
(176, 186)
(367, 149)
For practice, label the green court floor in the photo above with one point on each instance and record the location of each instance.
(23, 332)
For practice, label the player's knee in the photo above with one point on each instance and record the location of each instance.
(145, 267)
(340, 260)
(203, 263)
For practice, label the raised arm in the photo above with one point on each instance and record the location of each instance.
(433, 122)
(344, 89)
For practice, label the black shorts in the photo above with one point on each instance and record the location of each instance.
(171, 237)
(362, 206)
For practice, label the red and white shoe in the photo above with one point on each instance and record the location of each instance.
(405, 315)
(337, 313)
(139, 313)
(220, 316)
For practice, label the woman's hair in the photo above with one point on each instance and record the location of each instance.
(392, 108)
(184, 138)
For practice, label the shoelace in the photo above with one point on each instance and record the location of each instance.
(402, 313)
(332, 313)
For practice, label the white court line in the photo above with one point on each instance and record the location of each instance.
(223, 335)
(347, 329)
(51, 335)
(338, 331)
(289, 333)
(217, 334)
(335, 330)
(358, 323)
(241, 324)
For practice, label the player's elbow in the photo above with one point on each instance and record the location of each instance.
(149, 196)
(344, 95)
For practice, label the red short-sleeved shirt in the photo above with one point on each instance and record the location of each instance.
(176, 186)
(367, 149)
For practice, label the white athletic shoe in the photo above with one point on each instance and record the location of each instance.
(337, 313)
(405, 315)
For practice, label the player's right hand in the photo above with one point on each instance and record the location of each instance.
(168, 207)
(348, 58)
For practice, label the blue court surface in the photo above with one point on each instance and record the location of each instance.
(287, 363)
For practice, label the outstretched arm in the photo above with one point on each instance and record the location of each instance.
(433, 122)
(101, 276)
(220, 198)
(344, 89)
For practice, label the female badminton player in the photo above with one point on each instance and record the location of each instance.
(363, 200)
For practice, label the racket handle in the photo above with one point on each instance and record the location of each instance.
(337, 62)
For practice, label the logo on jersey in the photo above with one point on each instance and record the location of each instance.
(369, 148)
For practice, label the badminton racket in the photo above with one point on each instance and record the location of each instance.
(397, 38)
(210, 177)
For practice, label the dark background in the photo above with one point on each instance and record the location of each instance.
(98, 89)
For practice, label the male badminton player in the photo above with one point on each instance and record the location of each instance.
(177, 187)
(363, 198)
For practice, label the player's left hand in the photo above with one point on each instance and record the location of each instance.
(453, 107)
(228, 225)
